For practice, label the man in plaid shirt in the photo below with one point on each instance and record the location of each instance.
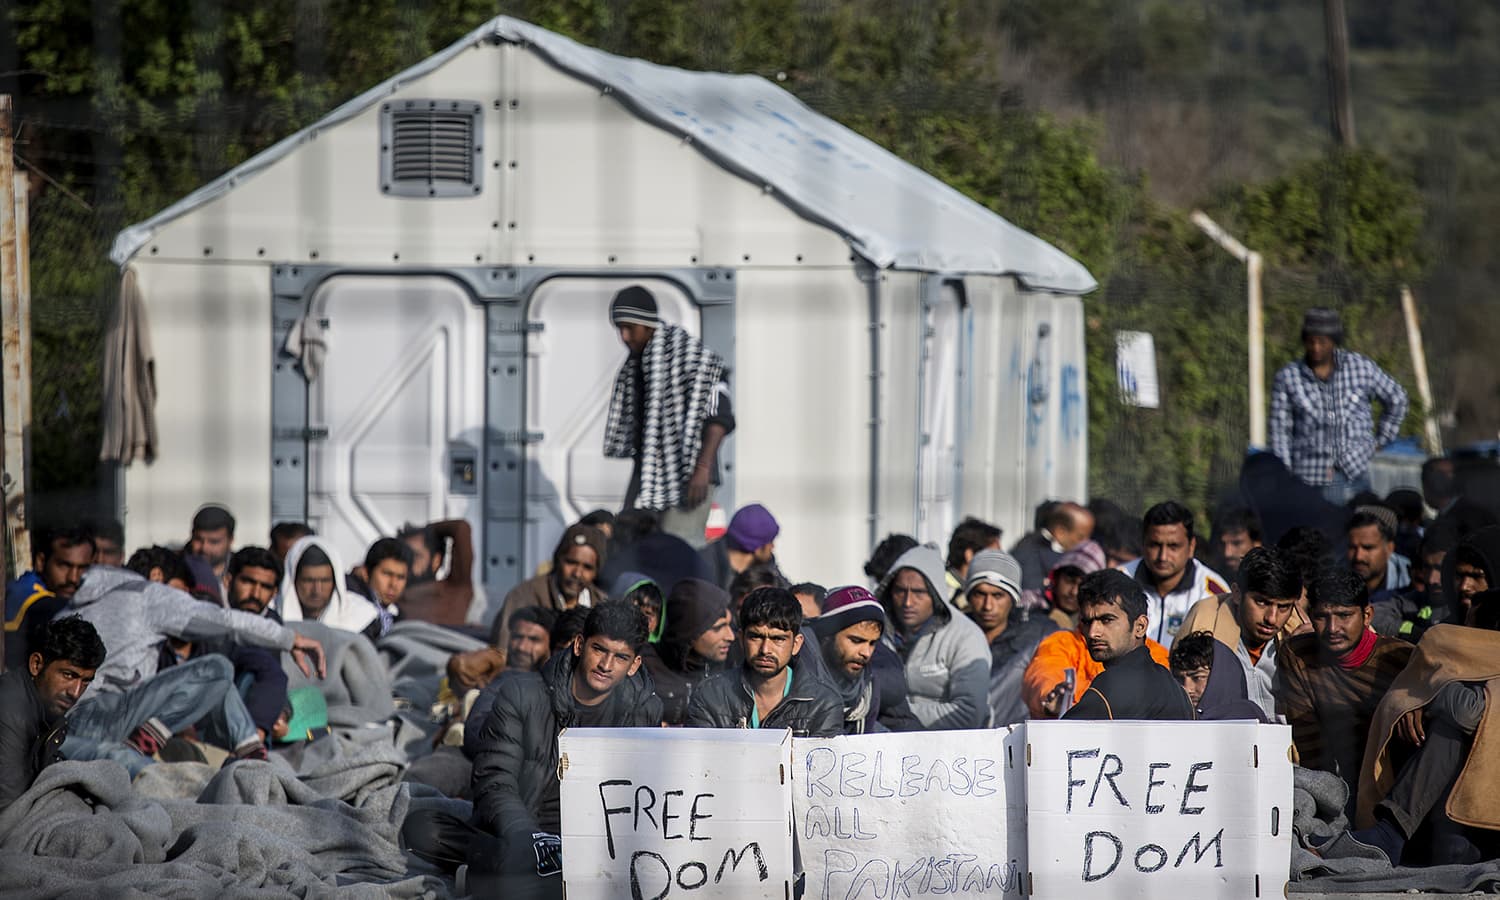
(1320, 410)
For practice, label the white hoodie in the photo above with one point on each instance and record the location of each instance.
(346, 611)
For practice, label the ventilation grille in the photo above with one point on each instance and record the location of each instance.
(431, 148)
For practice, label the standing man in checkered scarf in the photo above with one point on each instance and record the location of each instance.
(669, 412)
(1321, 422)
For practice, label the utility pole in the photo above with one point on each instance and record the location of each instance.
(15, 347)
(1255, 321)
(1336, 31)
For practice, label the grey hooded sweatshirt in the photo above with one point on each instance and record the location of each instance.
(133, 616)
(948, 659)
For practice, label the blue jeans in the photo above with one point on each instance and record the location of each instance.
(199, 689)
(1342, 489)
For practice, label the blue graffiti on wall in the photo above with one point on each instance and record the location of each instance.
(1037, 388)
(1071, 413)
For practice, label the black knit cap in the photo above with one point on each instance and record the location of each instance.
(1324, 321)
(635, 306)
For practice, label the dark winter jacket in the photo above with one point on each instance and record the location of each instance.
(691, 609)
(1010, 654)
(1037, 558)
(515, 769)
(29, 741)
(1226, 696)
(1485, 544)
(893, 712)
(1134, 686)
(812, 708)
(664, 558)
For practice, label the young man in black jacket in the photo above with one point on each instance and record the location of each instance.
(512, 838)
(35, 697)
(1112, 619)
(694, 646)
(769, 690)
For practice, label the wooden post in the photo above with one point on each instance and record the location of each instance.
(1336, 32)
(1419, 367)
(1257, 350)
(15, 347)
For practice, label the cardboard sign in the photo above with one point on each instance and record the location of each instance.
(657, 813)
(908, 815)
(1144, 809)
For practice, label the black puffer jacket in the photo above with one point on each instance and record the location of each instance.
(691, 609)
(812, 709)
(515, 766)
(29, 743)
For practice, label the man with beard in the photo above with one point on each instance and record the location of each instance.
(694, 647)
(511, 843)
(946, 658)
(1471, 569)
(59, 558)
(772, 689)
(253, 574)
(1371, 538)
(213, 533)
(1172, 579)
(35, 697)
(445, 601)
(576, 562)
(1329, 682)
(1112, 617)
(993, 586)
(864, 670)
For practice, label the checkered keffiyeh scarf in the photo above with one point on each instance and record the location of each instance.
(680, 377)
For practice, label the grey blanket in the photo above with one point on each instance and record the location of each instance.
(324, 823)
(1318, 813)
(417, 654)
(358, 687)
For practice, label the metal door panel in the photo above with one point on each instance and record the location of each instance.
(401, 385)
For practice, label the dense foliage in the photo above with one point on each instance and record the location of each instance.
(1084, 122)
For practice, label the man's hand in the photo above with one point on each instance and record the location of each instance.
(697, 488)
(304, 647)
(473, 669)
(1409, 728)
(1052, 703)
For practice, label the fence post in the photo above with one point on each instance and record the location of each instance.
(15, 347)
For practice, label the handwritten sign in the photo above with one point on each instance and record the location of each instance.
(658, 813)
(908, 815)
(1139, 809)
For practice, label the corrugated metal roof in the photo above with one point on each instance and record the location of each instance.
(892, 213)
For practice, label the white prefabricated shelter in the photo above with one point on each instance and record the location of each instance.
(399, 314)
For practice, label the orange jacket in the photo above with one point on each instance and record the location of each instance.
(1058, 652)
